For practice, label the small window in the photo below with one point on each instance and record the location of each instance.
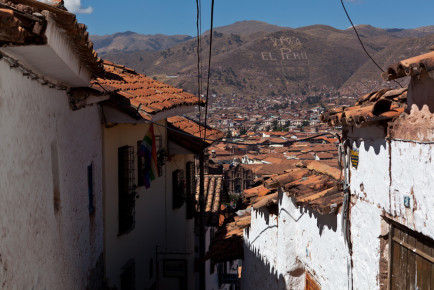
(90, 188)
(128, 276)
(178, 188)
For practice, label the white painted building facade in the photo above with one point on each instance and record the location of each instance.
(51, 169)
(390, 175)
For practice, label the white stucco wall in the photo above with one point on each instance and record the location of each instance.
(388, 170)
(365, 232)
(413, 175)
(160, 232)
(277, 254)
(371, 177)
(41, 249)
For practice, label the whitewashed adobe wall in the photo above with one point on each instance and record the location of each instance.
(46, 147)
(278, 251)
(386, 172)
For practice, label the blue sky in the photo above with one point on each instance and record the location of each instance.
(179, 16)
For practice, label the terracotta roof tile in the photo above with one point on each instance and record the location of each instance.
(193, 128)
(142, 93)
(410, 67)
(378, 106)
(20, 26)
(227, 243)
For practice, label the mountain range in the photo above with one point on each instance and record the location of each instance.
(257, 58)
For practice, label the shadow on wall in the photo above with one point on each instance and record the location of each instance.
(322, 220)
(374, 145)
(259, 274)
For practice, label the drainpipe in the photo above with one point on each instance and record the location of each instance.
(344, 151)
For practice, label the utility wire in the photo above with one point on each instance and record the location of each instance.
(361, 42)
(209, 67)
(198, 49)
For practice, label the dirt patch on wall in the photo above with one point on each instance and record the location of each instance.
(418, 125)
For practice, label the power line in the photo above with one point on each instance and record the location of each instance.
(209, 66)
(361, 42)
(198, 49)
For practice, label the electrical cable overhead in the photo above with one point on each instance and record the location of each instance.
(361, 42)
(209, 67)
(198, 50)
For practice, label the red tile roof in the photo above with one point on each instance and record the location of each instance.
(141, 93)
(410, 67)
(193, 128)
(213, 190)
(20, 26)
(315, 185)
(227, 243)
(378, 106)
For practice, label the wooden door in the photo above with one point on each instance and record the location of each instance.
(412, 264)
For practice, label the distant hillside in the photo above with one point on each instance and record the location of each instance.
(402, 49)
(256, 58)
(131, 41)
(249, 27)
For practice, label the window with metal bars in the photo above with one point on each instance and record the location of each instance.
(126, 186)
(178, 188)
(190, 187)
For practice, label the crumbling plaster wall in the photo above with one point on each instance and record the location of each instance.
(412, 176)
(42, 248)
(388, 171)
(365, 231)
(421, 91)
(277, 254)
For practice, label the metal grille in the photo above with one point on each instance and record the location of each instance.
(127, 187)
